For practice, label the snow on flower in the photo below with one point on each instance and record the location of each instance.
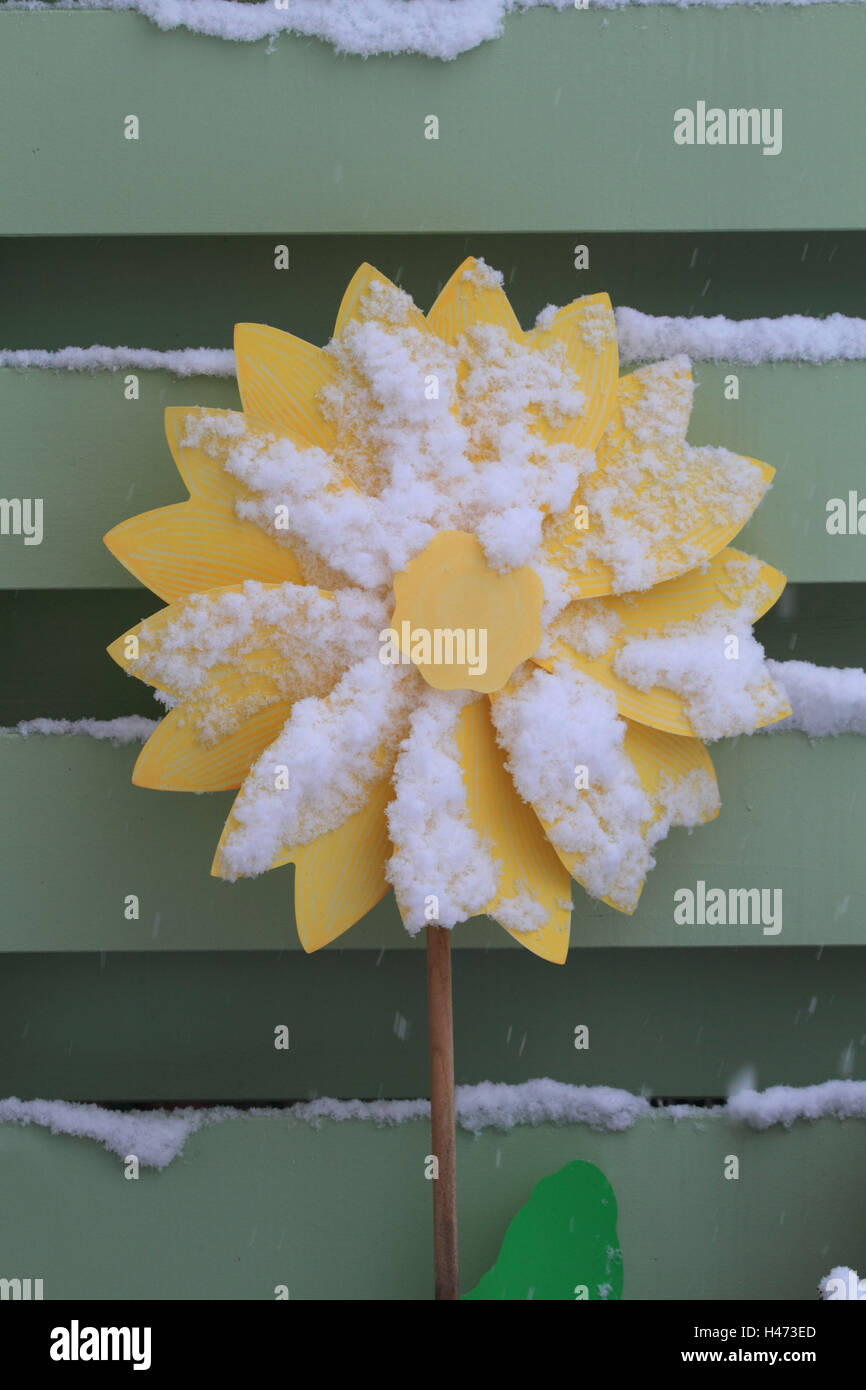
(451, 604)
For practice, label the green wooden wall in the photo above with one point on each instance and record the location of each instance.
(534, 132)
(342, 1212)
(166, 243)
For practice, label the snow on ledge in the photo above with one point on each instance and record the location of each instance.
(782, 1105)
(642, 338)
(841, 1284)
(436, 28)
(132, 728)
(180, 362)
(790, 338)
(156, 1137)
(826, 701)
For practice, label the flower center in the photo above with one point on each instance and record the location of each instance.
(463, 625)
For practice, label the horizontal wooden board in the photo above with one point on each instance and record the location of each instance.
(343, 1212)
(167, 291)
(566, 123)
(78, 838)
(199, 1025)
(96, 458)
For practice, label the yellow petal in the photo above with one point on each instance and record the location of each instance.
(587, 331)
(340, 876)
(352, 307)
(658, 756)
(175, 758)
(529, 862)
(669, 496)
(279, 377)
(125, 648)
(728, 582)
(466, 300)
(193, 546)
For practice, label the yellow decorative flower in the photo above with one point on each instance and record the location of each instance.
(453, 605)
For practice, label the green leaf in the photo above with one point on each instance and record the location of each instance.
(563, 1244)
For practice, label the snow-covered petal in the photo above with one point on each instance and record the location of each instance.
(232, 653)
(320, 770)
(371, 295)
(656, 506)
(473, 295)
(605, 790)
(442, 870)
(681, 657)
(586, 329)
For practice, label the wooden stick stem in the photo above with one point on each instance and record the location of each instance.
(443, 1138)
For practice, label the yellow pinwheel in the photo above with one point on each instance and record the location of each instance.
(453, 605)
